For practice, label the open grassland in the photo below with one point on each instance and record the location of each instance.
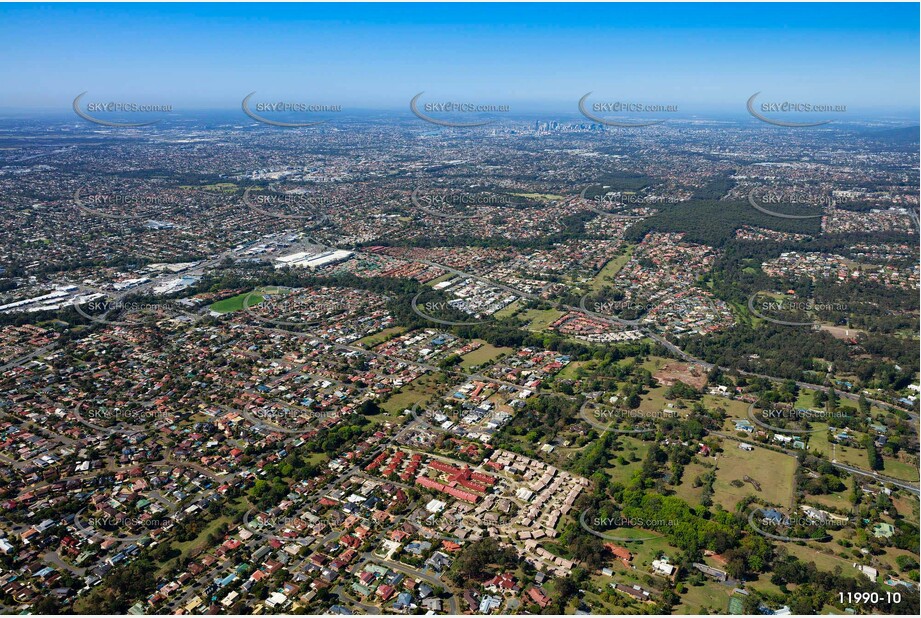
(816, 552)
(631, 449)
(540, 319)
(539, 196)
(418, 390)
(484, 354)
(839, 500)
(235, 303)
(773, 471)
(899, 469)
(734, 408)
(571, 371)
(654, 401)
(606, 275)
(508, 310)
(907, 506)
(763, 584)
(181, 551)
(378, 338)
(686, 490)
(819, 442)
(708, 598)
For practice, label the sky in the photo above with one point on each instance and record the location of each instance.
(702, 57)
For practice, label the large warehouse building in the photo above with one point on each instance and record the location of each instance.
(313, 261)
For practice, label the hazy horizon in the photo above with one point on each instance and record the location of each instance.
(703, 58)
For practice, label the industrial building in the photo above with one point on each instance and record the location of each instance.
(313, 261)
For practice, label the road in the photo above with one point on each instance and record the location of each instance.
(671, 347)
(22, 360)
(202, 581)
(679, 353)
(869, 474)
(432, 580)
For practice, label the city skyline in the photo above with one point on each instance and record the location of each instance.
(460, 309)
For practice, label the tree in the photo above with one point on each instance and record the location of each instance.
(473, 561)
(876, 462)
(369, 408)
(818, 399)
(863, 405)
(48, 604)
(566, 588)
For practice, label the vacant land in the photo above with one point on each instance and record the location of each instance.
(185, 548)
(540, 319)
(771, 470)
(538, 196)
(838, 500)
(235, 303)
(441, 279)
(571, 371)
(900, 469)
(709, 598)
(633, 451)
(484, 354)
(840, 332)
(690, 374)
(378, 338)
(686, 491)
(654, 401)
(508, 310)
(606, 275)
(418, 390)
(653, 363)
(221, 187)
(812, 552)
(734, 408)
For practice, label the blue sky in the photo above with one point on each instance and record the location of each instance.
(703, 57)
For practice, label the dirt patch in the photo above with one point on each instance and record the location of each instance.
(840, 332)
(692, 375)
